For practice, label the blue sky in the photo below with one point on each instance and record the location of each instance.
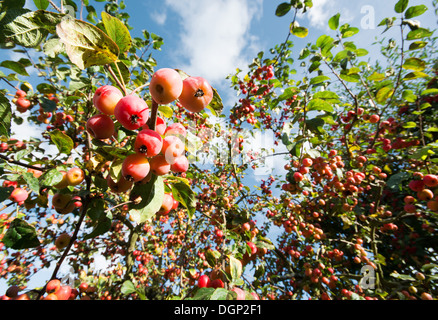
(212, 38)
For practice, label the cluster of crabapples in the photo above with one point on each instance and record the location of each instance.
(158, 148)
(425, 188)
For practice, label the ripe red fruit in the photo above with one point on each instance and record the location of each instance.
(148, 143)
(217, 283)
(63, 293)
(181, 164)
(20, 94)
(159, 165)
(106, 98)
(252, 247)
(241, 295)
(132, 112)
(298, 177)
(19, 195)
(204, 281)
(23, 103)
(374, 118)
(430, 180)
(176, 129)
(307, 162)
(425, 194)
(416, 185)
(196, 94)
(100, 126)
(160, 126)
(166, 85)
(167, 204)
(135, 167)
(53, 286)
(172, 148)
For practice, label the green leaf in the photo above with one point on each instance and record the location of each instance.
(41, 4)
(318, 80)
(432, 91)
(117, 31)
(128, 288)
(349, 77)
(315, 125)
(14, 66)
(216, 105)
(62, 141)
(282, 9)
(31, 181)
(409, 96)
(51, 178)
(186, 197)
(320, 105)
(402, 276)
(347, 31)
(376, 76)
(417, 45)
(203, 294)
(415, 64)
(334, 21)
(152, 194)
(28, 28)
(409, 125)
(235, 268)
(86, 45)
(415, 11)
(21, 235)
(328, 96)
(401, 6)
(415, 75)
(384, 94)
(418, 34)
(103, 226)
(5, 116)
(5, 193)
(165, 110)
(300, 32)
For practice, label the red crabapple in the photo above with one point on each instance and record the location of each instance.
(176, 129)
(19, 195)
(172, 148)
(181, 164)
(196, 94)
(148, 142)
(135, 167)
(105, 99)
(167, 204)
(100, 126)
(132, 112)
(159, 165)
(430, 180)
(53, 286)
(166, 85)
(204, 281)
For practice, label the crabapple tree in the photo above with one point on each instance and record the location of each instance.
(138, 173)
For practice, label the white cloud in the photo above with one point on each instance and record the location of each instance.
(215, 35)
(323, 10)
(159, 17)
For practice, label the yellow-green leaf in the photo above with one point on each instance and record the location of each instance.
(86, 45)
(117, 31)
(384, 94)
